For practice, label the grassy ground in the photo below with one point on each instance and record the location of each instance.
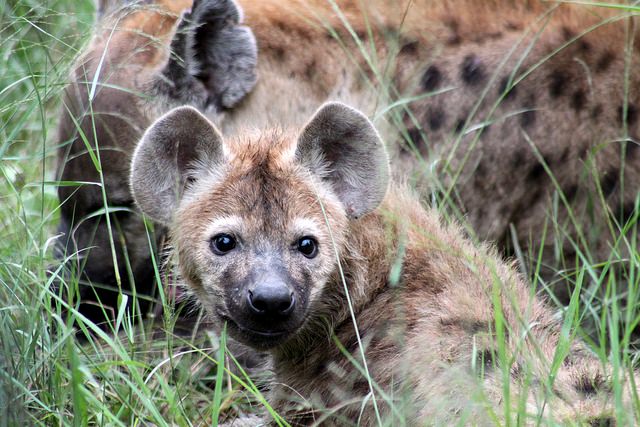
(47, 376)
(139, 375)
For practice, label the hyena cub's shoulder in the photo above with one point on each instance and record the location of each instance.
(284, 236)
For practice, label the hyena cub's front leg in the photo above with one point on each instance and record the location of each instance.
(143, 60)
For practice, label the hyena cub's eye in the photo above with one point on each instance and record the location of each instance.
(308, 246)
(222, 243)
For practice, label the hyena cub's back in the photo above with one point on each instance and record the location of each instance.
(283, 236)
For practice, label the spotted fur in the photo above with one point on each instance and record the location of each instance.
(529, 102)
(518, 104)
(429, 333)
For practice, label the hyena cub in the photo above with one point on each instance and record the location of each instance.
(292, 240)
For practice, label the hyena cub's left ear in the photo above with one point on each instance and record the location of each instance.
(180, 146)
(342, 146)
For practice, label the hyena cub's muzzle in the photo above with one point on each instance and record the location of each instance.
(265, 308)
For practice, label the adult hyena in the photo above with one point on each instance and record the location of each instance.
(521, 114)
(129, 75)
(292, 240)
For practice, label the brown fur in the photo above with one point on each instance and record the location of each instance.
(117, 116)
(564, 131)
(430, 338)
(441, 310)
(133, 75)
(565, 117)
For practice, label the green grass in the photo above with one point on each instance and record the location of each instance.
(57, 368)
(47, 375)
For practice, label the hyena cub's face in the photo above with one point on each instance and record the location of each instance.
(254, 243)
(257, 222)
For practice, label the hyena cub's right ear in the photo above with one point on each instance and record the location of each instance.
(341, 145)
(181, 145)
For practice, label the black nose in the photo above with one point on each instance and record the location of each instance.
(271, 299)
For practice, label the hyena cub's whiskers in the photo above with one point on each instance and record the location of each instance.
(256, 222)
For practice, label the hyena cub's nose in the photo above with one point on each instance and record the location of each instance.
(271, 298)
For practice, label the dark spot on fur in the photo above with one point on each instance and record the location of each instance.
(454, 36)
(310, 70)
(480, 173)
(558, 83)
(627, 211)
(469, 326)
(460, 125)
(602, 421)
(589, 386)
(569, 360)
(405, 149)
(596, 112)
(584, 46)
(431, 78)
(279, 53)
(415, 134)
(527, 118)
(567, 33)
(605, 61)
(281, 25)
(536, 173)
(436, 119)
(504, 86)
(472, 70)
(632, 114)
(519, 159)
(570, 192)
(505, 212)
(484, 132)
(409, 48)
(454, 39)
(608, 181)
(512, 26)
(516, 371)
(560, 394)
(320, 368)
(578, 100)
(631, 148)
(360, 388)
(352, 345)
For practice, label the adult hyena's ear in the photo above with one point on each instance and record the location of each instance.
(213, 50)
(341, 145)
(180, 146)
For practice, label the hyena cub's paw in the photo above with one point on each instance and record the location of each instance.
(213, 64)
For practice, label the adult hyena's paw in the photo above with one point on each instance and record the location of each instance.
(213, 61)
